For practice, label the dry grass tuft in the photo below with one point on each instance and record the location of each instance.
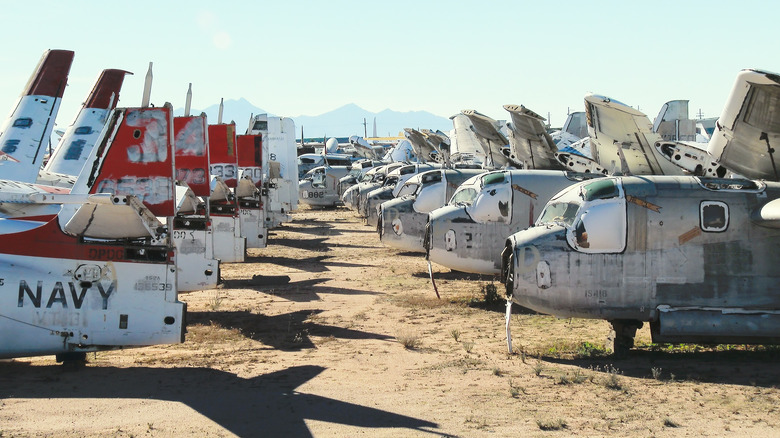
(551, 423)
(410, 341)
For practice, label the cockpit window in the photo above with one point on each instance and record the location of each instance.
(408, 189)
(562, 213)
(600, 189)
(493, 178)
(431, 177)
(464, 197)
(406, 170)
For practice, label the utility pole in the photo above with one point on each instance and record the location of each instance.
(365, 128)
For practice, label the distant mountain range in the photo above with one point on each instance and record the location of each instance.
(341, 122)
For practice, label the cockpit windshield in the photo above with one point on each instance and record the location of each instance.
(464, 196)
(562, 213)
(562, 208)
(409, 188)
(467, 192)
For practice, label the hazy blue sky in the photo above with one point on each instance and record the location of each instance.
(306, 57)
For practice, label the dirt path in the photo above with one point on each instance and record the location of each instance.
(325, 354)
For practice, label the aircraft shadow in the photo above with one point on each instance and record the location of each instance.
(455, 275)
(266, 405)
(325, 230)
(310, 264)
(748, 368)
(415, 254)
(307, 291)
(318, 245)
(286, 332)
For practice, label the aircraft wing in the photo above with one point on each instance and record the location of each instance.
(622, 139)
(747, 134)
(463, 139)
(493, 141)
(363, 148)
(422, 148)
(530, 141)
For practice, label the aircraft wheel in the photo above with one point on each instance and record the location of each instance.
(73, 360)
(623, 332)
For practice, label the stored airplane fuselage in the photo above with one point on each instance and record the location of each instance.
(696, 257)
(402, 220)
(468, 234)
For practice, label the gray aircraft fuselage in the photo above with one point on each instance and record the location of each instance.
(402, 220)
(696, 257)
(468, 234)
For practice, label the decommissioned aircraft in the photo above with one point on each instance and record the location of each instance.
(695, 257)
(99, 273)
(402, 220)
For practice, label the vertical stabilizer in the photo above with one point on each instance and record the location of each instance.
(80, 137)
(222, 153)
(134, 156)
(192, 153)
(25, 133)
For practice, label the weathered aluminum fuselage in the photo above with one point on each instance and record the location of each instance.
(468, 236)
(320, 186)
(402, 220)
(696, 257)
(390, 187)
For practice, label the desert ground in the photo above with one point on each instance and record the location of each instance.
(327, 333)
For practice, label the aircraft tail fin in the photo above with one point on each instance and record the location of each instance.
(25, 133)
(134, 156)
(80, 137)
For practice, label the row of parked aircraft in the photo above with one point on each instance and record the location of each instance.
(132, 207)
(672, 223)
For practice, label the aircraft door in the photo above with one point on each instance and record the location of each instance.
(431, 195)
(494, 202)
(600, 227)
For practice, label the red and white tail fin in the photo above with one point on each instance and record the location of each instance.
(25, 133)
(192, 153)
(134, 156)
(250, 161)
(80, 137)
(222, 153)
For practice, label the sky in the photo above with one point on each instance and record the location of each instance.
(306, 57)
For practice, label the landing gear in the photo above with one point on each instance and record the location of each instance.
(623, 332)
(72, 360)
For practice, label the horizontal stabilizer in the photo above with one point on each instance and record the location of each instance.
(123, 218)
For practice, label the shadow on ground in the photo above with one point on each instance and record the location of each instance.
(266, 405)
(734, 367)
(286, 332)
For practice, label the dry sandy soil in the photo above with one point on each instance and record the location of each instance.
(356, 343)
